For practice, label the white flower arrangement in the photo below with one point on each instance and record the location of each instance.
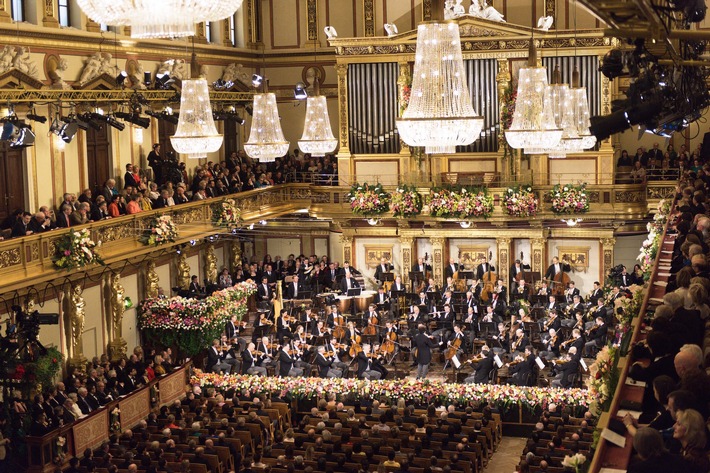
(76, 249)
(161, 230)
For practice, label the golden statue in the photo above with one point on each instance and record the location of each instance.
(117, 306)
(76, 313)
(151, 281)
(183, 277)
(210, 264)
(236, 251)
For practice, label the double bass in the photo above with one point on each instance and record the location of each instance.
(560, 280)
(489, 282)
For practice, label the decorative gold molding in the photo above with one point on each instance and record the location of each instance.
(342, 71)
(503, 258)
(312, 15)
(369, 17)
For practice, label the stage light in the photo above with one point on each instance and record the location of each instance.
(612, 65)
(36, 118)
(64, 130)
(108, 119)
(18, 134)
(299, 92)
(121, 78)
(256, 80)
(84, 121)
(147, 79)
(163, 81)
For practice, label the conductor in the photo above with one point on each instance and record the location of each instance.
(423, 344)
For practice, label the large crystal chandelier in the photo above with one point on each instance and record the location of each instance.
(571, 112)
(533, 124)
(196, 134)
(317, 139)
(158, 18)
(266, 139)
(440, 115)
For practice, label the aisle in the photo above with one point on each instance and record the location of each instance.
(506, 458)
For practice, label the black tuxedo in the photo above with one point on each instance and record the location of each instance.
(324, 365)
(569, 295)
(521, 371)
(265, 293)
(20, 229)
(214, 357)
(398, 288)
(382, 268)
(248, 361)
(286, 363)
(451, 269)
(231, 329)
(555, 269)
(483, 268)
(160, 203)
(595, 295)
(484, 368)
(423, 344)
(566, 369)
(195, 289)
(515, 269)
(344, 284)
(291, 292)
(83, 405)
(422, 269)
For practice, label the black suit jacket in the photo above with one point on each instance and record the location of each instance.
(291, 289)
(550, 273)
(483, 269)
(213, 358)
(265, 294)
(323, 365)
(285, 363)
(484, 368)
(83, 405)
(380, 270)
(344, 284)
(568, 368)
(451, 269)
(423, 344)
(248, 361)
(161, 203)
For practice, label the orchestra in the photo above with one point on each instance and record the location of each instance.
(324, 328)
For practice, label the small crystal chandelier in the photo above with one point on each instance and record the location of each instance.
(533, 123)
(196, 134)
(266, 139)
(571, 222)
(465, 224)
(373, 221)
(317, 139)
(440, 115)
(158, 19)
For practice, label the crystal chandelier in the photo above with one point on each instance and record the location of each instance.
(533, 124)
(317, 139)
(196, 134)
(266, 139)
(158, 19)
(440, 115)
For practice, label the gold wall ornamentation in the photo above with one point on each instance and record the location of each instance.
(665, 192)
(235, 251)
(347, 248)
(471, 255)
(406, 249)
(210, 264)
(75, 311)
(576, 256)
(117, 345)
(608, 254)
(437, 249)
(369, 17)
(373, 254)
(503, 259)
(628, 197)
(312, 15)
(90, 433)
(10, 258)
(115, 232)
(152, 282)
(426, 10)
(538, 247)
(342, 71)
(183, 271)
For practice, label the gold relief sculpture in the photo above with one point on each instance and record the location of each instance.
(76, 315)
(210, 264)
(236, 252)
(10, 258)
(576, 256)
(151, 280)
(183, 277)
(373, 254)
(471, 255)
(117, 346)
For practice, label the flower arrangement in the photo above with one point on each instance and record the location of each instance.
(115, 421)
(502, 396)
(47, 366)
(160, 230)
(76, 249)
(406, 202)
(366, 199)
(60, 451)
(575, 462)
(404, 96)
(192, 324)
(603, 378)
(625, 310)
(226, 214)
(569, 199)
(510, 96)
(520, 201)
(649, 247)
(461, 204)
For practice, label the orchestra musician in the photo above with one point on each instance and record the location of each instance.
(336, 355)
(484, 267)
(398, 285)
(544, 290)
(215, 359)
(596, 293)
(381, 298)
(522, 370)
(348, 282)
(267, 358)
(501, 290)
(566, 370)
(383, 267)
(372, 317)
(616, 294)
(570, 292)
(230, 351)
(287, 363)
(502, 339)
(595, 337)
(352, 333)
(300, 355)
(552, 303)
(517, 268)
(294, 288)
(484, 365)
(553, 321)
(576, 305)
(330, 318)
(448, 297)
(555, 268)
(444, 322)
(498, 305)
(422, 301)
(471, 324)
(283, 325)
(422, 344)
(414, 318)
(325, 365)
(233, 328)
(471, 302)
(491, 316)
(347, 268)
(452, 268)
(364, 364)
(249, 361)
(576, 341)
(601, 310)
(519, 342)
(431, 286)
(457, 334)
(522, 291)
(552, 342)
(421, 267)
(450, 285)
(390, 327)
(301, 336)
(308, 320)
(321, 330)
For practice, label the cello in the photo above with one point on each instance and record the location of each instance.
(452, 349)
(489, 282)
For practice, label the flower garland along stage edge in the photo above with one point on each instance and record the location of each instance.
(603, 378)
(406, 202)
(192, 324)
(520, 201)
(76, 249)
(366, 199)
(649, 247)
(226, 214)
(462, 203)
(569, 199)
(160, 230)
(425, 391)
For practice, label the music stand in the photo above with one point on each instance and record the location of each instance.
(487, 328)
(354, 291)
(466, 275)
(387, 277)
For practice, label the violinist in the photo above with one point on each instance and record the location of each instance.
(519, 341)
(566, 370)
(570, 292)
(556, 268)
(595, 337)
(283, 325)
(364, 364)
(336, 354)
(576, 341)
(215, 359)
(233, 329)
(321, 330)
(553, 321)
(502, 339)
(552, 343)
(522, 370)
(230, 353)
(325, 365)
(484, 267)
(376, 362)
(308, 320)
(484, 365)
(301, 336)
(301, 353)
(249, 362)
(266, 359)
(287, 364)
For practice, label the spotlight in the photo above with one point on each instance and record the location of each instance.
(299, 92)
(193, 242)
(256, 80)
(108, 119)
(18, 134)
(163, 81)
(220, 84)
(330, 32)
(84, 121)
(64, 130)
(391, 29)
(612, 65)
(36, 118)
(134, 118)
(251, 227)
(121, 78)
(147, 79)
(234, 231)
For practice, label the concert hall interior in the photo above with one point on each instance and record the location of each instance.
(415, 236)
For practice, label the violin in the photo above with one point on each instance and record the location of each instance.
(475, 359)
(258, 353)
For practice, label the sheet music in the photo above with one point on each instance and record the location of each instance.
(584, 365)
(539, 362)
(456, 362)
(497, 361)
(613, 437)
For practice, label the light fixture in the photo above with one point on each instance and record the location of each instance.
(196, 134)
(440, 115)
(256, 80)
(158, 19)
(317, 138)
(391, 29)
(299, 91)
(330, 32)
(121, 78)
(59, 143)
(533, 124)
(571, 222)
(147, 80)
(64, 130)
(134, 118)
(465, 224)
(99, 116)
(262, 222)
(18, 134)
(266, 138)
(373, 221)
(36, 118)
(251, 227)
(163, 80)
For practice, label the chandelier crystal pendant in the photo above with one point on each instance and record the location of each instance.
(533, 124)
(196, 134)
(317, 138)
(158, 19)
(440, 114)
(266, 139)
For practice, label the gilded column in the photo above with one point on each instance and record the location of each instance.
(235, 251)
(151, 281)
(49, 18)
(405, 244)
(426, 10)
(511, 159)
(404, 80)
(538, 251)
(183, 272)
(312, 16)
(369, 17)
(210, 264)
(344, 162)
(347, 242)
(253, 30)
(75, 314)
(437, 250)
(608, 254)
(503, 259)
(226, 33)
(5, 16)
(91, 25)
(117, 346)
(606, 165)
(200, 33)
(550, 11)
